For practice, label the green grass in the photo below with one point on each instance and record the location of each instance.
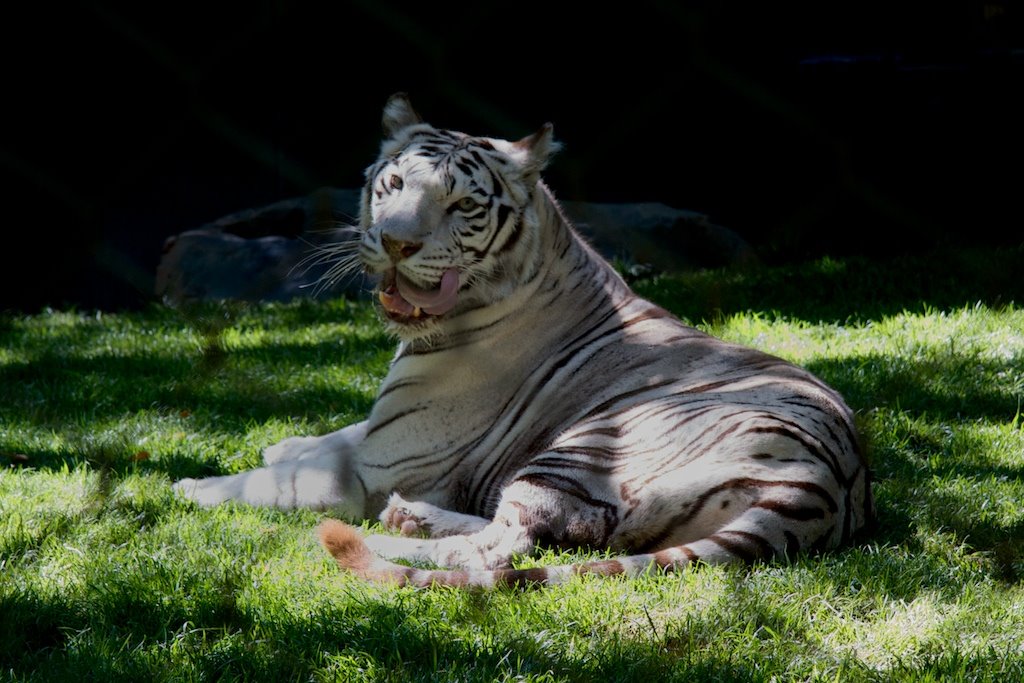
(104, 575)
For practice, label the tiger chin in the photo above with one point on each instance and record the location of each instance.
(535, 400)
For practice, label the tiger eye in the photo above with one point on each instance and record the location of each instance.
(467, 204)
(395, 182)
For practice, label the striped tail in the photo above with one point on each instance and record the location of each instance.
(346, 545)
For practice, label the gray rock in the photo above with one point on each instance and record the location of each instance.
(277, 252)
(273, 253)
(658, 237)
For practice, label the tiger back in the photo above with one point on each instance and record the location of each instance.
(535, 399)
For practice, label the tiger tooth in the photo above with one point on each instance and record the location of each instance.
(381, 297)
(417, 312)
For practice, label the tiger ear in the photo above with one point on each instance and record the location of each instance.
(534, 151)
(399, 115)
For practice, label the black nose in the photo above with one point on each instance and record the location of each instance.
(397, 249)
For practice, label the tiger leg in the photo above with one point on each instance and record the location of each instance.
(308, 483)
(299, 447)
(530, 511)
(319, 473)
(416, 518)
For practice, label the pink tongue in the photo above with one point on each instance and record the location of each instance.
(433, 301)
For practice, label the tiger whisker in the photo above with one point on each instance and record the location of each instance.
(325, 254)
(327, 229)
(345, 269)
(340, 256)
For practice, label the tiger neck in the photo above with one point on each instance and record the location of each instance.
(570, 261)
(562, 280)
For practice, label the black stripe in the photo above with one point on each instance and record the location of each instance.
(566, 464)
(503, 212)
(477, 157)
(496, 187)
(366, 201)
(824, 418)
(395, 386)
(745, 545)
(513, 238)
(827, 458)
(394, 418)
(613, 431)
(487, 249)
(848, 516)
(798, 512)
(589, 451)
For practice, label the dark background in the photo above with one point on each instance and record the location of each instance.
(834, 128)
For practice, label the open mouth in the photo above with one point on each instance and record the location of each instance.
(404, 302)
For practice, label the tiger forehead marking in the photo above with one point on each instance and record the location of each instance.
(534, 398)
(452, 169)
(460, 173)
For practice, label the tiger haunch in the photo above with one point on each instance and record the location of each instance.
(535, 399)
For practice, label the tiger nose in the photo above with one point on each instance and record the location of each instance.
(398, 249)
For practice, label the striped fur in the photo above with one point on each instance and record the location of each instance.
(549, 404)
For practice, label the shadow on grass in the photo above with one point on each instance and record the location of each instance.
(52, 390)
(101, 631)
(925, 487)
(138, 636)
(945, 386)
(927, 439)
(97, 401)
(854, 290)
(126, 638)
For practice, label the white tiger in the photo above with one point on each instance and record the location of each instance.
(534, 399)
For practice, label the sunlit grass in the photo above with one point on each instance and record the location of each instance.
(105, 575)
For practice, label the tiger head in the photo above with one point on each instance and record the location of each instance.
(445, 218)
